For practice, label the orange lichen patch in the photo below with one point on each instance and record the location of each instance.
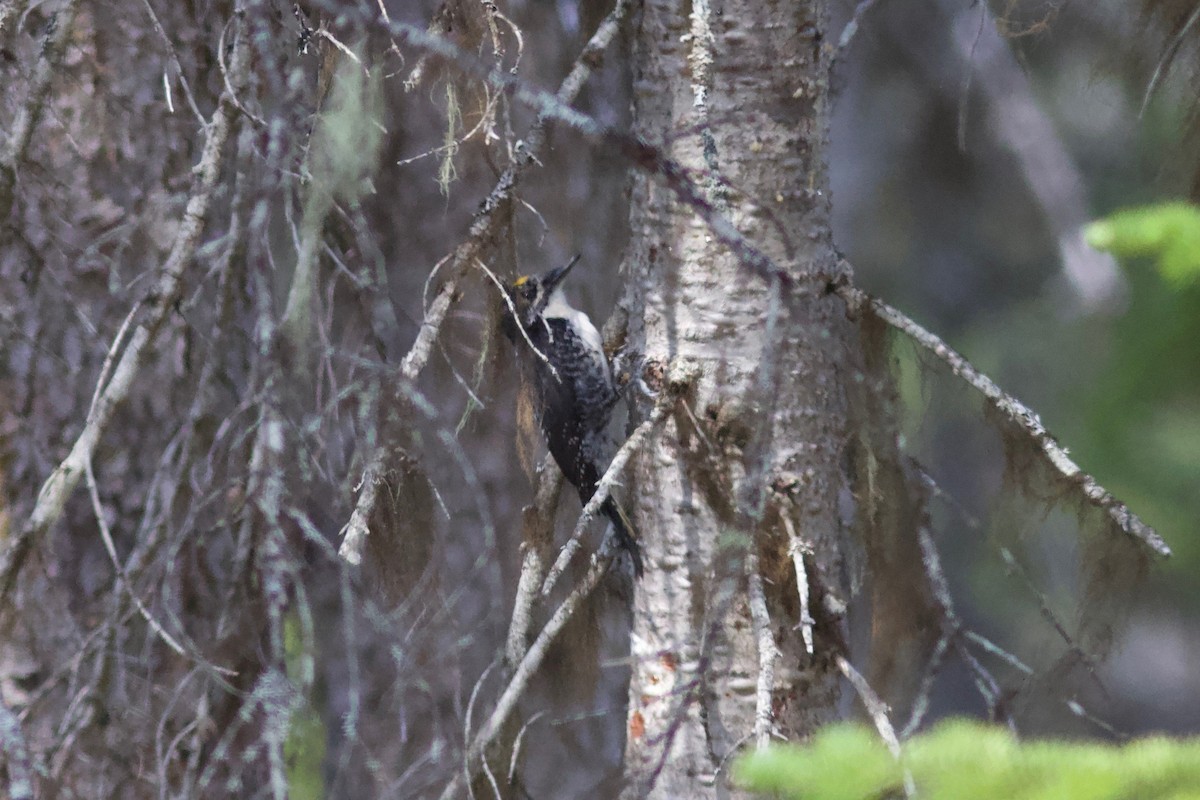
(637, 725)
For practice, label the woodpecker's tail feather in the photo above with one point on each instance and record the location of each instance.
(624, 532)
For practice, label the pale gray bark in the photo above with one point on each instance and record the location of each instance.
(761, 438)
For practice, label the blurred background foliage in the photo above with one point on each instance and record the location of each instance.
(962, 758)
(935, 208)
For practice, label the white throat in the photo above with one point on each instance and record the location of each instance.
(560, 308)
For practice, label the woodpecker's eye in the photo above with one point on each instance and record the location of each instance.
(528, 290)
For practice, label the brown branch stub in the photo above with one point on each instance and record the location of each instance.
(1013, 412)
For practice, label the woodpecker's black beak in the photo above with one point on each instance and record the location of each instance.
(554, 277)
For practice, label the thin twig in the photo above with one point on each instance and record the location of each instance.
(852, 28)
(469, 714)
(1015, 567)
(512, 309)
(525, 670)
(119, 571)
(1014, 412)
(537, 532)
(797, 549)
(604, 488)
(878, 712)
(1164, 63)
(920, 704)
(109, 359)
(65, 478)
(988, 646)
(233, 85)
(183, 81)
(768, 651)
(516, 748)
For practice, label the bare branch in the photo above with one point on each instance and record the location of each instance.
(852, 27)
(1017, 119)
(797, 549)
(512, 309)
(516, 748)
(183, 80)
(768, 651)
(878, 712)
(121, 579)
(1014, 412)
(354, 534)
(524, 672)
(1168, 56)
(537, 532)
(469, 714)
(65, 478)
(604, 488)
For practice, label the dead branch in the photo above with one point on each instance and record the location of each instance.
(482, 233)
(878, 712)
(1017, 120)
(122, 580)
(768, 651)
(537, 533)
(65, 478)
(170, 48)
(604, 488)
(797, 549)
(1012, 411)
(524, 672)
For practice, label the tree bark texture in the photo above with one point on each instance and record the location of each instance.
(736, 91)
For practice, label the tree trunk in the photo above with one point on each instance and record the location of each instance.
(750, 463)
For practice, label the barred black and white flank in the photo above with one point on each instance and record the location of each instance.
(575, 388)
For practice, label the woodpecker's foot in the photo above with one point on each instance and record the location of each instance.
(622, 371)
(629, 370)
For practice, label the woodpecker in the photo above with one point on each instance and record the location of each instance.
(574, 384)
